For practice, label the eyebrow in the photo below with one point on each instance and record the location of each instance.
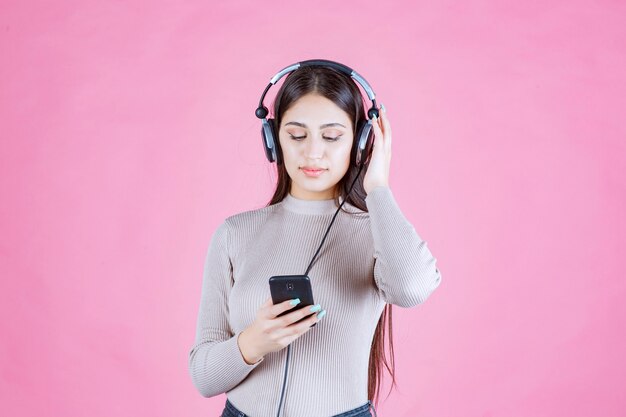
(321, 126)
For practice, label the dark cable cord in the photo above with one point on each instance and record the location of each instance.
(332, 221)
(282, 394)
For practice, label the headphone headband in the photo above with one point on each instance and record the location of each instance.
(261, 112)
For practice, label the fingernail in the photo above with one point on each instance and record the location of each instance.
(382, 106)
(321, 314)
(295, 301)
(316, 307)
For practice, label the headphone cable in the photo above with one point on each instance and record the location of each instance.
(332, 221)
(282, 394)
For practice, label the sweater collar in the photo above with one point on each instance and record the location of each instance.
(298, 205)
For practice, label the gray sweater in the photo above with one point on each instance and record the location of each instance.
(368, 259)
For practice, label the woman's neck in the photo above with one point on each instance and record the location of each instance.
(307, 206)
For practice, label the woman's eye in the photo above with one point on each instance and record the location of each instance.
(332, 139)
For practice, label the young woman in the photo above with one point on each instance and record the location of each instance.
(372, 258)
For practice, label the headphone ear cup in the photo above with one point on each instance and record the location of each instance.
(276, 142)
(363, 142)
(268, 133)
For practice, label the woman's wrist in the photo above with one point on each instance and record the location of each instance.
(249, 354)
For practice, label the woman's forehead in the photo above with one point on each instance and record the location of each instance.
(316, 112)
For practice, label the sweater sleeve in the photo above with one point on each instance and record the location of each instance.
(215, 362)
(404, 269)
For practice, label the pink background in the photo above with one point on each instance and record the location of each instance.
(128, 134)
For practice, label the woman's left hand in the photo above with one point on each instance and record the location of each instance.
(378, 169)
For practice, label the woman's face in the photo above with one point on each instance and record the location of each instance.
(316, 139)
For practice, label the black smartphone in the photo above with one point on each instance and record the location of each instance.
(287, 287)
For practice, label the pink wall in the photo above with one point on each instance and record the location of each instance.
(121, 124)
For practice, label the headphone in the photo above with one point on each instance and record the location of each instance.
(364, 130)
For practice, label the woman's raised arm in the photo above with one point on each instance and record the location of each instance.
(404, 269)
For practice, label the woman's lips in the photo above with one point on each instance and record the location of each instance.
(312, 172)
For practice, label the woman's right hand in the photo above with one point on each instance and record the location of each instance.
(269, 333)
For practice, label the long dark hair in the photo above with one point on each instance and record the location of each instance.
(339, 88)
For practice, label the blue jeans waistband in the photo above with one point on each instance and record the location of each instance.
(362, 411)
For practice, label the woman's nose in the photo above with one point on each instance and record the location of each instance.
(315, 148)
